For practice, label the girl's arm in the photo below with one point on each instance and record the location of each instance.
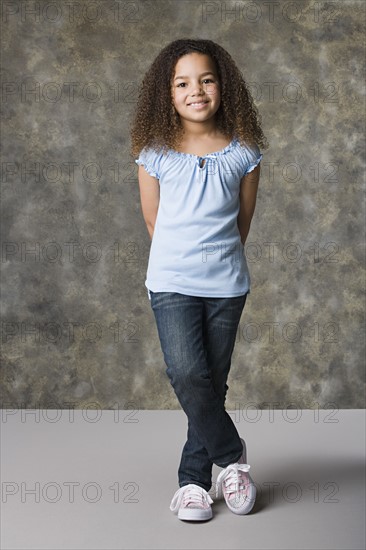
(150, 198)
(248, 196)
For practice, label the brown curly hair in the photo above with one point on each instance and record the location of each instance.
(155, 124)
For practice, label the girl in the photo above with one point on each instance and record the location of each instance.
(196, 132)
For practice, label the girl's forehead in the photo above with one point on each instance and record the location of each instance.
(193, 59)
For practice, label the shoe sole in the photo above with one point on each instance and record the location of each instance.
(195, 514)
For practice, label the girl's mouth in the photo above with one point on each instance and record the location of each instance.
(198, 104)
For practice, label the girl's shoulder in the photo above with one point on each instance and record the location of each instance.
(247, 147)
(150, 157)
(250, 155)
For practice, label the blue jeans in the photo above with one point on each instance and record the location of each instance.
(197, 337)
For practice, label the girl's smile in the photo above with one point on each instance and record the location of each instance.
(198, 105)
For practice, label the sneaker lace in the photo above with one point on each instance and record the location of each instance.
(190, 494)
(232, 478)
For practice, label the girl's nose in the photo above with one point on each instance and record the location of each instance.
(197, 88)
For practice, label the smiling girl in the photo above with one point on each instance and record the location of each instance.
(196, 134)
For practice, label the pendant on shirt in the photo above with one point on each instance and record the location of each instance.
(201, 162)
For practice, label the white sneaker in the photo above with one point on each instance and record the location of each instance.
(239, 491)
(192, 502)
(235, 483)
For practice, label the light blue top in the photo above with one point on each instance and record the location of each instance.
(196, 247)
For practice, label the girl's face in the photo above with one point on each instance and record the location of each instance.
(195, 87)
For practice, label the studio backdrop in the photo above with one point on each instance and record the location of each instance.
(77, 326)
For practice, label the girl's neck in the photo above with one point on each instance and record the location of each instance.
(201, 144)
(200, 131)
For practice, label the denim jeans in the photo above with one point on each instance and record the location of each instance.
(197, 337)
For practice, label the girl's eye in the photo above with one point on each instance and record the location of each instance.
(205, 80)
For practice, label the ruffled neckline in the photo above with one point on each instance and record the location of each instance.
(226, 149)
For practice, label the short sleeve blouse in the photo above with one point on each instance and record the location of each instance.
(196, 247)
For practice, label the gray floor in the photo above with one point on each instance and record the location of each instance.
(309, 472)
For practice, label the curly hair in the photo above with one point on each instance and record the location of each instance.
(155, 124)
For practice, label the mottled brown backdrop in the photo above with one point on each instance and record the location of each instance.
(77, 327)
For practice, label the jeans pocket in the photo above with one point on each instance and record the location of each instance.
(157, 298)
